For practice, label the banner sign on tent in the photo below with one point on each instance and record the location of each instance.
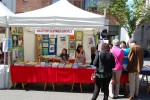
(54, 31)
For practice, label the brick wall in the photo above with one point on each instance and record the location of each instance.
(28, 5)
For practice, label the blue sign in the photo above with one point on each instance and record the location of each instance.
(9, 42)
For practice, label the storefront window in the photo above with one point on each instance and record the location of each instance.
(89, 3)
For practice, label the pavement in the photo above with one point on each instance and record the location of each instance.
(62, 92)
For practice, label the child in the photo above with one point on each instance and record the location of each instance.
(64, 56)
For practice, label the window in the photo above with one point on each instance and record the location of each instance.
(90, 3)
(147, 3)
(142, 33)
(78, 3)
(53, 1)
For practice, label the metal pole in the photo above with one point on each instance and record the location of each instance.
(6, 57)
(6, 75)
(9, 57)
(4, 68)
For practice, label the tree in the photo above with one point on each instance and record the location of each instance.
(128, 16)
(146, 17)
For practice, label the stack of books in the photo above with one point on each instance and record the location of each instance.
(62, 65)
(49, 64)
(75, 65)
(68, 66)
(55, 64)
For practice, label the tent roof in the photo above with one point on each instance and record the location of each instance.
(61, 13)
(4, 11)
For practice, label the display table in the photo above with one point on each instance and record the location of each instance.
(145, 73)
(4, 77)
(30, 74)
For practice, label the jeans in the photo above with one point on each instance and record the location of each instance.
(99, 83)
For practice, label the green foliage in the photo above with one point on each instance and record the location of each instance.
(128, 16)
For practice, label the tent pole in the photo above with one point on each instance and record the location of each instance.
(8, 36)
(6, 57)
(4, 68)
(7, 76)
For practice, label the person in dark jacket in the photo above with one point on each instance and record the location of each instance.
(93, 54)
(104, 62)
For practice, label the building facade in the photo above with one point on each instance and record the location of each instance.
(20, 6)
(10, 4)
(142, 33)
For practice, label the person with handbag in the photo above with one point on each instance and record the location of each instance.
(104, 62)
(115, 82)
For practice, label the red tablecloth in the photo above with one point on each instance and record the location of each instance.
(32, 74)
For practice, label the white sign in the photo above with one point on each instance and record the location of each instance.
(7, 44)
(54, 31)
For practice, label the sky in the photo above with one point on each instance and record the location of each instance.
(130, 2)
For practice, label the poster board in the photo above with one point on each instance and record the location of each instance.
(74, 41)
(46, 44)
(17, 44)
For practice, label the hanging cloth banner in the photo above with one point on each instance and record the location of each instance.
(61, 31)
(7, 44)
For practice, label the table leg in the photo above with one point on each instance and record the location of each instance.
(15, 85)
(127, 90)
(45, 86)
(53, 86)
(72, 87)
(81, 87)
(148, 89)
(142, 79)
(147, 80)
(22, 86)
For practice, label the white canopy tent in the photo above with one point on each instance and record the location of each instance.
(4, 12)
(59, 14)
(4, 69)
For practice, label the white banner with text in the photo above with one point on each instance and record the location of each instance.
(61, 31)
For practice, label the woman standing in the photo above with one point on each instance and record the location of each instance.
(103, 72)
(80, 55)
(115, 82)
(126, 52)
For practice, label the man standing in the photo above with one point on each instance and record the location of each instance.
(134, 67)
